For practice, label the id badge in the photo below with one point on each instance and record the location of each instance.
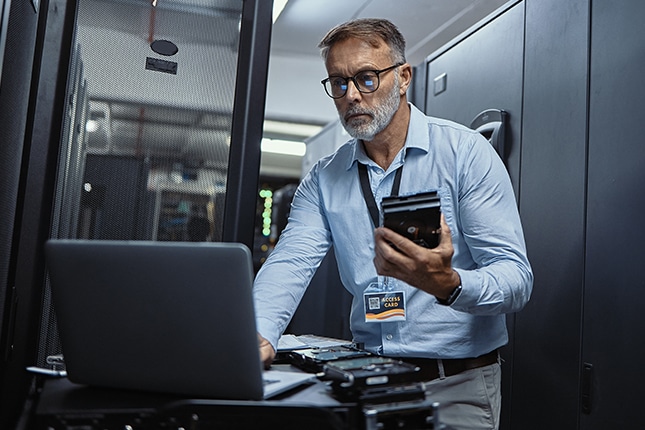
(382, 305)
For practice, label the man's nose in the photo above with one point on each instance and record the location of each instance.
(352, 92)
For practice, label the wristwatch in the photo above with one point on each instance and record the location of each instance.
(451, 298)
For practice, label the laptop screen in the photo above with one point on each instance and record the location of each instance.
(161, 316)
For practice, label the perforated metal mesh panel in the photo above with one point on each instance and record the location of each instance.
(147, 130)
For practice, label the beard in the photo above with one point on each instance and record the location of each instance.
(381, 115)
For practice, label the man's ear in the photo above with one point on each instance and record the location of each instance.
(405, 78)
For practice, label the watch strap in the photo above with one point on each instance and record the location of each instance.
(451, 298)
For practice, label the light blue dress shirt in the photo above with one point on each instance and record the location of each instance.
(479, 206)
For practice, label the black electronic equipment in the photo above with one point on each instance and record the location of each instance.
(314, 359)
(417, 217)
(373, 377)
(388, 391)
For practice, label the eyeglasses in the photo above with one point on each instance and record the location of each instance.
(365, 82)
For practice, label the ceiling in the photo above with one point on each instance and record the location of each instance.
(295, 68)
(144, 112)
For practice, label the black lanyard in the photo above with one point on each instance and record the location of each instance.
(367, 190)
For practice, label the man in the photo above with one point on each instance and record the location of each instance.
(454, 296)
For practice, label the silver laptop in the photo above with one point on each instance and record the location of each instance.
(167, 317)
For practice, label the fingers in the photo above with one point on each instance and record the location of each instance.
(388, 243)
(398, 257)
(445, 231)
(393, 253)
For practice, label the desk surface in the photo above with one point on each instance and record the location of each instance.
(308, 406)
(62, 404)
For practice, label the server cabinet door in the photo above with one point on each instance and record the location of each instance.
(165, 87)
(483, 71)
(547, 343)
(614, 293)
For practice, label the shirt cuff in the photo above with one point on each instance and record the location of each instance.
(268, 330)
(469, 294)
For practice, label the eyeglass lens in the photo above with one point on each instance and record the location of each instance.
(366, 82)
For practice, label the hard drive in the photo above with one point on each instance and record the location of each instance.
(417, 217)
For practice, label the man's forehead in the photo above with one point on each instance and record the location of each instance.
(356, 54)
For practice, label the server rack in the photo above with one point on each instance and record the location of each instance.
(575, 147)
(40, 50)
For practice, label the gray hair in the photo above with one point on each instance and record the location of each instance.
(369, 30)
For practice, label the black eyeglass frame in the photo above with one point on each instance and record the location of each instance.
(353, 79)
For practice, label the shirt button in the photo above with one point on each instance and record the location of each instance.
(389, 337)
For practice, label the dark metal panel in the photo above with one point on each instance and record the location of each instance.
(17, 54)
(417, 91)
(50, 54)
(122, 181)
(483, 71)
(614, 282)
(248, 115)
(547, 343)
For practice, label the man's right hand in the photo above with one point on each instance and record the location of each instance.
(429, 270)
(267, 353)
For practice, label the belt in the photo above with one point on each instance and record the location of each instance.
(430, 367)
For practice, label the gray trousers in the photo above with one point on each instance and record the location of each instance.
(469, 400)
